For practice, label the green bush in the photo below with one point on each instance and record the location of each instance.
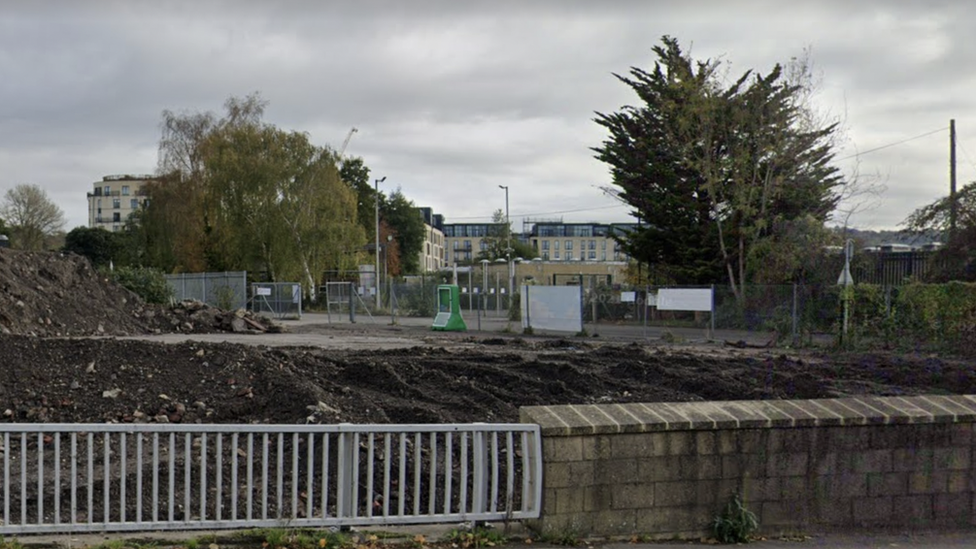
(149, 284)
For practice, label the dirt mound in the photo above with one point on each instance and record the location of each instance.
(52, 294)
(98, 380)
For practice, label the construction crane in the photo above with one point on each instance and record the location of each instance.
(345, 143)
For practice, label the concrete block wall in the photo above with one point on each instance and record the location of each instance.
(666, 469)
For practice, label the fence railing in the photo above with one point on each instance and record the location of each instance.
(140, 477)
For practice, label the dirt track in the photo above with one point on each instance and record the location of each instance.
(454, 378)
(366, 372)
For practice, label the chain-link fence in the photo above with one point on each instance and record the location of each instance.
(278, 299)
(226, 290)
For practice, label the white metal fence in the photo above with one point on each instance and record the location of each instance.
(140, 477)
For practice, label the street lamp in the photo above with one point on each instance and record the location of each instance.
(484, 285)
(508, 249)
(376, 200)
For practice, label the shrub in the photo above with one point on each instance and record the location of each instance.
(736, 523)
(149, 284)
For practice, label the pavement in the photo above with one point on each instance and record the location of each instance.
(401, 534)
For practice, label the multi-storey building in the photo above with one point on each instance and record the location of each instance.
(114, 198)
(433, 256)
(464, 241)
(552, 240)
(558, 241)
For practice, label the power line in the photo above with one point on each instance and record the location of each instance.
(896, 143)
(966, 153)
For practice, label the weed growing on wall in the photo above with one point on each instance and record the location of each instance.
(735, 524)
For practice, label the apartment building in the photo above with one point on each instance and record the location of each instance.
(558, 241)
(114, 198)
(433, 256)
(464, 241)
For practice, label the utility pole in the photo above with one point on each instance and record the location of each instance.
(952, 180)
(376, 201)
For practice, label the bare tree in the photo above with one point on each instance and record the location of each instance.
(31, 215)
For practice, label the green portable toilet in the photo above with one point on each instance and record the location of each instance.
(448, 317)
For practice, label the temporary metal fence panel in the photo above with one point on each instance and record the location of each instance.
(226, 290)
(279, 299)
(142, 477)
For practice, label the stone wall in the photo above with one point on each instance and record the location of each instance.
(667, 469)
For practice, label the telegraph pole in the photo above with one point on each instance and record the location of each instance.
(952, 180)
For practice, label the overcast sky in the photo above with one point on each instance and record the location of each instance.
(452, 99)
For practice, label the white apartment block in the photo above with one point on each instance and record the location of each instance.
(114, 198)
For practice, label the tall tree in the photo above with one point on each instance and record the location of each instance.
(355, 173)
(404, 218)
(32, 217)
(713, 170)
(238, 193)
(498, 245)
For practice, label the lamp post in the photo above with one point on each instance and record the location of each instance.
(845, 281)
(484, 285)
(376, 200)
(508, 248)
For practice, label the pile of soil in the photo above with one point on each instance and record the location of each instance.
(51, 294)
(90, 380)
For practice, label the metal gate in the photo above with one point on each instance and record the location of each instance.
(141, 477)
(279, 299)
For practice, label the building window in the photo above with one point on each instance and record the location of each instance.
(603, 245)
(556, 255)
(545, 246)
(134, 203)
(593, 244)
(603, 256)
(125, 190)
(457, 245)
(569, 246)
(555, 246)
(482, 245)
(569, 256)
(116, 203)
(107, 190)
(99, 201)
(592, 254)
(467, 244)
(545, 256)
(116, 217)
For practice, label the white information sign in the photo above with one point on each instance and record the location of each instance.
(628, 297)
(263, 291)
(684, 299)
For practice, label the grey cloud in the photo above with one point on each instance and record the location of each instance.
(454, 98)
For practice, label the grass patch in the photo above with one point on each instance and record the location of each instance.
(475, 538)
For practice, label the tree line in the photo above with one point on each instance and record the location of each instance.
(733, 179)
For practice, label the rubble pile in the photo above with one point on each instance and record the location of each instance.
(191, 316)
(49, 294)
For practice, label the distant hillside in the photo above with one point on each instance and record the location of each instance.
(865, 238)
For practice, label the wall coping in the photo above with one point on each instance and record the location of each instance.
(593, 419)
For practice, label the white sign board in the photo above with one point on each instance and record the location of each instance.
(628, 297)
(556, 308)
(684, 299)
(263, 291)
